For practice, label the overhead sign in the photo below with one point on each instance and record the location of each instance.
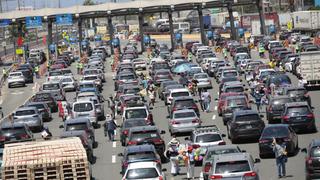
(33, 22)
(64, 19)
(5, 22)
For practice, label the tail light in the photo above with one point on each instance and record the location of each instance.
(174, 109)
(309, 160)
(158, 141)
(174, 122)
(195, 146)
(160, 178)
(196, 121)
(269, 108)
(216, 177)
(222, 143)
(261, 141)
(126, 132)
(125, 164)
(158, 161)
(310, 115)
(306, 95)
(250, 174)
(24, 136)
(132, 142)
(207, 167)
(285, 118)
(194, 106)
(287, 139)
(2, 138)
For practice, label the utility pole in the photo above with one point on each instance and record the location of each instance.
(59, 3)
(19, 7)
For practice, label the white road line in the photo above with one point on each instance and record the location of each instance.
(218, 93)
(213, 117)
(113, 159)
(215, 108)
(114, 144)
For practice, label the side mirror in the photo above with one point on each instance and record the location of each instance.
(187, 138)
(223, 135)
(196, 101)
(257, 160)
(113, 78)
(151, 108)
(61, 126)
(304, 150)
(240, 80)
(216, 99)
(312, 107)
(261, 115)
(243, 151)
(164, 169)
(167, 117)
(120, 154)
(162, 132)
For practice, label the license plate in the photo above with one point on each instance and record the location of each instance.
(248, 126)
(83, 114)
(299, 119)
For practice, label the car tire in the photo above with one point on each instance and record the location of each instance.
(313, 128)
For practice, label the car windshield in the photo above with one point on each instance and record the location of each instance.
(230, 74)
(13, 132)
(315, 152)
(142, 173)
(296, 92)
(236, 102)
(234, 89)
(232, 167)
(38, 106)
(296, 111)
(134, 123)
(280, 80)
(185, 115)
(51, 86)
(89, 72)
(76, 126)
(180, 94)
(208, 138)
(211, 154)
(250, 117)
(25, 113)
(136, 113)
(141, 135)
(126, 77)
(270, 132)
(229, 79)
(82, 107)
(201, 76)
(141, 156)
(41, 97)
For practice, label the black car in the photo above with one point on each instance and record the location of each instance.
(234, 103)
(275, 108)
(299, 116)
(14, 132)
(245, 124)
(28, 76)
(127, 124)
(277, 131)
(312, 159)
(147, 135)
(163, 85)
(297, 94)
(184, 102)
(139, 153)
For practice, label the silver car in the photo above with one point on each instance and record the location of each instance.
(69, 83)
(183, 121)
(16, 79)
(203, 80)
(29, 116)
(91, 96)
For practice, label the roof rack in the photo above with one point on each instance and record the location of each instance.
(203, 129)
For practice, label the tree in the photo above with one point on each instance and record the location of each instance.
(88, 3)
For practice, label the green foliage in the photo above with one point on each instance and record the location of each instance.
(315, 8)
(88, 3)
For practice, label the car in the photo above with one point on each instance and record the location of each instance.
(207, 136)
(91, 96)
(85, 85)
(42, 108)
(69, 83)
(14, 132)
(162, 75)
(228, 74)
(147, 135)
(16, 79)
(312, 159)
(85, 139)
(85, 109)
(162, 87)
(47, 98)
(29, 116)
(245, 124)
(139, 64)
(98, 72)
(127, 124)
(180, 92)
(138, 112)
(55, 75)
(144, 170)
(203, 80)
(234, 166)
(222, 98)
(299, 116)
(138, 153)
(184, 102)
(297, 94)
(234, 103)
(183, 121)
(277, 131)
(95, 78)
(213, 151)
(279, 80)
(275, 108)
(55, 88)
(28, 75)
(80, 124)
(125, 77)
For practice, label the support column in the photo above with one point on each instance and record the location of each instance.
(141, 31)
(80, 34)
(125, 19)
(171, 29)
(201, 25)
(233, 29)
(261, 16)
(110, 29)
(49, 37)
(160, 15)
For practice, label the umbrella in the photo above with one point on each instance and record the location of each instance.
(182, 68)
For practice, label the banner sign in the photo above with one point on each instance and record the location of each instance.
(64, 19)
(5, 22)
(33, 22)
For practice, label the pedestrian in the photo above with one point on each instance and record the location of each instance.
(36, 71)
(258, 97)
(201, 99)
(144, 82)
(172, 154)
(152, 96)
(190, 56)
(225, 53)
(4, 72)
(110, 127)
(81, 67)
(206, 98)
(46, 134)
(78, 67)
(261, 51)
(112, 106)
(280, 153)
(190, 162)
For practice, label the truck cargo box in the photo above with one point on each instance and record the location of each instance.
(310, 68)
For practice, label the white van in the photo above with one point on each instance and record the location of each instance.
(87, 109)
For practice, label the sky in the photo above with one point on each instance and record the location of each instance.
(9, 5)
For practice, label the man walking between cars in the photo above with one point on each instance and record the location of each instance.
(111, 126)
(206, 100)
(112, 105)
(280, 152)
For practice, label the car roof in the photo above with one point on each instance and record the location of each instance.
(76, 133)
(295, 88)
(232, 157)
(228, 146)
(276, 125)
(183, 89)
(77, 120)
(143, 128)
(236, 97)
(26, 108)
(139, 165)
(279, 97)
(140, 148)
(8, 124)
(245, 112)
(183, 111)
(183, 98)
(293, 104)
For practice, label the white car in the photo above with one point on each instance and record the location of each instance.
(16, 79)
(144, 170)
(206, 62)
(69, 83)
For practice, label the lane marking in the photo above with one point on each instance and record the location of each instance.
(113, 159)
(213, 117)
(215, 108)
(218, 93)
(114, 144)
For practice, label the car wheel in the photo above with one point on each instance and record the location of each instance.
(314, 128)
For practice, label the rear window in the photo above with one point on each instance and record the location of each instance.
(250, 117)
(89, 72)
(25, 113)
(236, 102)
(51, 86)
(161, 66)
(13, 132)
(126, 77)
(38, 106)
(230, 74)
(280, 80)
(67, 80)
(142, 173)
(56, 73)
(201, 76)
(90, 78)
(315, 152)
(162, 73)
(211, 154)
(42, 97)
(234, 89)
(185, 115)
(275, 132)
(141, 156)
(296, 92)
(184, 103)
(134, 123)
(296, 111)
(87, 85)
(136, 113)
(180, 94)
(141, 135)
(81, 107)
(75, 127)
(232, 167)
(208, 138)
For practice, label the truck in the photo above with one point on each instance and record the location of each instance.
(309, 69)
(247, 19)
(219, 20)
(307, 22)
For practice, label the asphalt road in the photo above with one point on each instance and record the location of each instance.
(107, 165)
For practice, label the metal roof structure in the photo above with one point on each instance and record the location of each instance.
(125, 8)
